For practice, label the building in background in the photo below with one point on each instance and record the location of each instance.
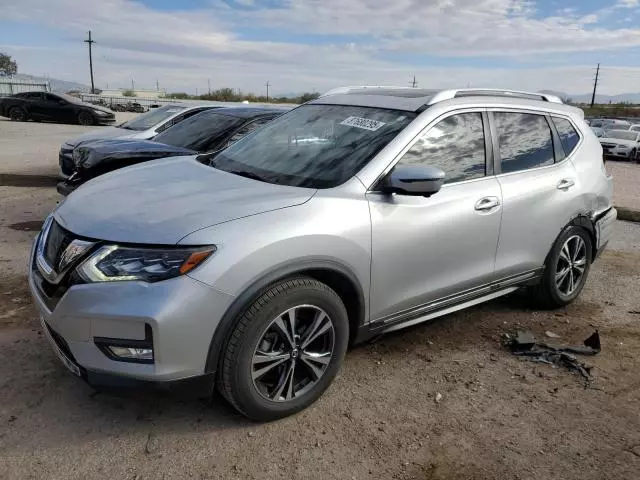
(146, 94)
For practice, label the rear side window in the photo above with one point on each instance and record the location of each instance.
(568, 135)
(455, 145)
(525, 141)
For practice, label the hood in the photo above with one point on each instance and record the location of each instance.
(163, 201)
(103, 133)
(98, 107)
(100, 152)
(618, 141)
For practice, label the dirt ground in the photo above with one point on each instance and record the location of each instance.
(442, 400)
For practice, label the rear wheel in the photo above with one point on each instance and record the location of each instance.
(85, 118)
(633, 156)
(285, 350)
(566, 269)
(17, 114)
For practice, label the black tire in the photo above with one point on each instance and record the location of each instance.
(85, 118)
(235, 376)
(633, 156)
(548, 294)
(17, 114)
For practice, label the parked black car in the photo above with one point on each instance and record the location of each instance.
(205, 132)
(54, 107)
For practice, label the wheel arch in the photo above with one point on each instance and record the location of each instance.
(587, 224)
(338, 277)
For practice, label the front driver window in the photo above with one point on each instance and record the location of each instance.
(455, 145)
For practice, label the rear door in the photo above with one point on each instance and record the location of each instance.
(427, 249)
(539, 186)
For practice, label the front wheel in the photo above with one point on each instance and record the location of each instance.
(85, 118)
(285, 350)
(633, 156)
(566, 269)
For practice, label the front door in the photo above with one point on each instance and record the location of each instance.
(425, 249)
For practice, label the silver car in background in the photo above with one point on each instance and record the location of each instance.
(142, 127)
(622, 144)
(359, 213)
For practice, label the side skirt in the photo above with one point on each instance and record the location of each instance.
(444, 306)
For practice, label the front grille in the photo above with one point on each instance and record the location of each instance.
(56, 243)
(66, 161)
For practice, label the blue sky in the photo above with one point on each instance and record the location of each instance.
(305, 45)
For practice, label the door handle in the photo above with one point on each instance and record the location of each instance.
(487, 203)
(565, 184)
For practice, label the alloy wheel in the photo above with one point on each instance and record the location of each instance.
(17, 115)
(293, 353)
(571, 265)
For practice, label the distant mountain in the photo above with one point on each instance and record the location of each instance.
(56, 85)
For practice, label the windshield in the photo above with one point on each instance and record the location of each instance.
(316, 146)
(623, 135)
(200, 132)
(151, 118)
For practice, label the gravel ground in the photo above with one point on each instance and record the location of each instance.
(442, 400)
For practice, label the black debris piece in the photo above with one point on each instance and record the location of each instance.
(523, 343)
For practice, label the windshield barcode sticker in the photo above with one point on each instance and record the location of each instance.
(363, 123)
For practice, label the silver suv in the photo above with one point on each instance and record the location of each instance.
(361, 212)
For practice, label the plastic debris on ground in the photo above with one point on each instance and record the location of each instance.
(524, 344)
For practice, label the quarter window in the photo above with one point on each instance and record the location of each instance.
(525, 141)
(568, 135)
(456, 145)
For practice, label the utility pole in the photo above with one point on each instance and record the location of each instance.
(132, 84)
(209, 85)
(267, 85)
(595, 85)
(157, 85)
(91, 42)
(414, 84)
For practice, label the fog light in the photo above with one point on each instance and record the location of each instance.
(131, 353)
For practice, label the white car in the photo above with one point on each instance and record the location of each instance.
(142, 127)
(621, 144)
(635, 128)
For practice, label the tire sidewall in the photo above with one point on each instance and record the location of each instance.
(249, 399)
(552, 264)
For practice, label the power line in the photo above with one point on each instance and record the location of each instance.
(414, 83)
(267, 85)
(91, 42)
(595, 86)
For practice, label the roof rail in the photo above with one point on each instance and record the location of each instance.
(473, 92)
(339, 90)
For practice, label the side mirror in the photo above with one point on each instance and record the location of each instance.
(414, 180)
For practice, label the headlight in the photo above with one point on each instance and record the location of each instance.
(113, 263)
(100, 112)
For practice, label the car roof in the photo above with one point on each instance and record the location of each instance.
(418, 99)
(247, 112)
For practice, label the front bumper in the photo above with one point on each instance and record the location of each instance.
(182, 314)
(105, 121)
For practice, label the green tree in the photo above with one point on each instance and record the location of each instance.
(307, 97)
(128, 93)
(8, 67)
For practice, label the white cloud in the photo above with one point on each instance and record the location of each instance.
(628, 3)
(184, 48)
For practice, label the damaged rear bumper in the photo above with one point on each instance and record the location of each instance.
(604, 224)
